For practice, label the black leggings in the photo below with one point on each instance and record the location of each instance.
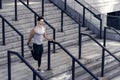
(38, 50)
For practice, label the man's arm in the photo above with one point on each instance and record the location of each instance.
(31, 35)
(46, 37)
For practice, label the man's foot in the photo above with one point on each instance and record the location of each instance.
(40, 70)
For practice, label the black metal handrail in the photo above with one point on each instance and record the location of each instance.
(104, 40)
(103, 53)
(73, 60)
(105, 31)
(79, 36)
(111, 28)
(63, 11)
(35, 73)
(79, 28)
(95, 15)
(85, 8)
(36, 15)
(3, 33)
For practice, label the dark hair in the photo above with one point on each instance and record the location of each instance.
(39, 18)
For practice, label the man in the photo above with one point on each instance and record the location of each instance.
(38, 33)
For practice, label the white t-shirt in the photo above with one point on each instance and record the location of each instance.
(38, 36)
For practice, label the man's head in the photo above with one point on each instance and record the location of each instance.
(40, 20)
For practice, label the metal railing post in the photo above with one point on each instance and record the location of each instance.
(104, 42)
(73, 69)
(16, 10)
(61, 21)
(35, 20)
(27, 2)
(100, 28)
(103, 53)
(83, 24)
(34, 76)
(65, 5)
(49, 56)
(42, 7)
(3, 31)
(0, 4)
(9, 65)
(22, 45)
(80, 41)
(54, 36)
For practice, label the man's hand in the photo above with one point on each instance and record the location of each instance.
(51, 40)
